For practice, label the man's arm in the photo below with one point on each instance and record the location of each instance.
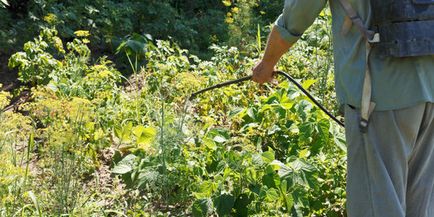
(276, 47)
(296, 17)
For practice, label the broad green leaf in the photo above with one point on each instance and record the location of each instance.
(138, 130)
(236, 112)
(135, 45)
(220, 139)
(274, 129)
(287, 105)
(209, 143)
(224, 204)
(124, 132)
(289, 200)
(340, 142)
(277, 165)
(241, 205)
(257, 160)
(125, 165)
(219, 132)
(147, 176)
(129, 159)
(271, 179)
(268, 156)
(299, 164)
(205, 190)
(307, 83)
(201, 207)
(251, 113)
(305, 153)
(144, 135)
(122, 169)
(272, 195)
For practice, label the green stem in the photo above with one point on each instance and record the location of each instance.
(29, 145)
(137, 90)
(131, 63)
(163, 146)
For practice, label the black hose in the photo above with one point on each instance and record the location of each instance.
(299, 86)
(310, 97)
(227, 83)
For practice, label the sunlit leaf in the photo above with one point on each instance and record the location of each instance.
(122, 169)
(144, 135)
(304, 153)
(272, 194)
(268, 156)
(220, 139)
(125, 165)
(210, 143)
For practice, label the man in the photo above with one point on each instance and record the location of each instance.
(391, 164)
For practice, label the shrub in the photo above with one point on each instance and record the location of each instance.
(35, 63)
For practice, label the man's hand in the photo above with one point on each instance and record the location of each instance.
(263, 72)
(276, 47)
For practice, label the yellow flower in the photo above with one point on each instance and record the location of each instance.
(235, 10)
(229, 20)
(105, 74)
(81, 33)
(51, 19)
(227, 3)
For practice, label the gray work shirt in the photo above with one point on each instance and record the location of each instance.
(397, 82)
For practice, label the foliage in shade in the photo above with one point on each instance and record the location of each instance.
(194, 24)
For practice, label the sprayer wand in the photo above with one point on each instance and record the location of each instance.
(287, 76)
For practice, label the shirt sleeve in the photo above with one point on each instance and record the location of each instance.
(296, 17)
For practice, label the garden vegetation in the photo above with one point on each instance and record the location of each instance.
(99, 123)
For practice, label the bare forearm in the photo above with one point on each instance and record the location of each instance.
(276, 47)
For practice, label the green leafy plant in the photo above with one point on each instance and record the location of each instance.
(35, 64)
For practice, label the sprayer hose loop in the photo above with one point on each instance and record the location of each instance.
(281, 73)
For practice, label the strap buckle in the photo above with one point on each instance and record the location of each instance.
(363, 125)
(375, 38)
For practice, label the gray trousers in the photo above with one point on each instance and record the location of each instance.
(391, 168)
